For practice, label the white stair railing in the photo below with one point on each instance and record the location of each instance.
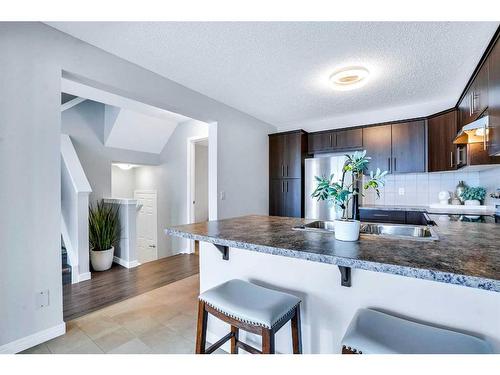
(75, 190)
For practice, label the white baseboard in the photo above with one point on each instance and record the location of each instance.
(84, 276)
(188, 251)
(125, 263)
(32, 340)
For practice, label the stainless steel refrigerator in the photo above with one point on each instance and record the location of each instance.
(321, 166)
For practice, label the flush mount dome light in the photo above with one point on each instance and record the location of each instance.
(349, 78)
(125, 166)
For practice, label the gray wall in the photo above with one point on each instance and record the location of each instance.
(122, 182)
(32, 59)
(84, 123)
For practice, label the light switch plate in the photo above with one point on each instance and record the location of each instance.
(42, 299)
(222, 195)
(401, 191)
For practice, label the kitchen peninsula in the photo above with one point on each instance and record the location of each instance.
(453, 282)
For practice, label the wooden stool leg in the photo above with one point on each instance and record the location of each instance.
(235, 331)
(201, 330)
(296, 332)
(267, 341)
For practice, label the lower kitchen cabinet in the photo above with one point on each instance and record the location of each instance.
(285, 197)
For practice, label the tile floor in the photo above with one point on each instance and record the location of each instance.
(160, 321)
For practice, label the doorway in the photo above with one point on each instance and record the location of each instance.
(147, 217)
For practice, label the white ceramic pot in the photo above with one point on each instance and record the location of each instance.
(102, 260)
(347, 230)
(472, 202)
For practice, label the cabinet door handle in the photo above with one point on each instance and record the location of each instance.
(287, 170)
(287, 186)
(451, 159)
(282, 170)
(330, 137)
(395, 167)
(389, 164)
(282, 186)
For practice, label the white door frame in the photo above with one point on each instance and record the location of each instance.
(149, 191)
(191, 179)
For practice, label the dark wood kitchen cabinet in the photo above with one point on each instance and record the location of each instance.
(408, 147)
(475, 100)
(396, 148)
(377, 143)
(287, 152)
(442, 130)
(494, 100)
(321, 142)
(349, 139)
(333, 141)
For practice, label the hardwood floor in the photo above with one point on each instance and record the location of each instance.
(119, 283)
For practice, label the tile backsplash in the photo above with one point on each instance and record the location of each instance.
(421, 189)
(490, 180)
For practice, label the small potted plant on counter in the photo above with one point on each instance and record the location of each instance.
(342, 192)
(104, 233)
(473, 196)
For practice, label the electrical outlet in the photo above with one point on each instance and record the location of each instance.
(401, 191)
(42, 299)
(222, 195)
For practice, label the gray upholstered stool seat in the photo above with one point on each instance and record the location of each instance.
(250, 303)
(373, 332)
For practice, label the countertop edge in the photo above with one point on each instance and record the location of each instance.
(418, 273)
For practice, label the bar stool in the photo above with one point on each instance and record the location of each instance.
(252, 308)
(373, 332)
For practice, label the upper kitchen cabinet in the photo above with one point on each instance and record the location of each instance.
(349, 139)
(377, 143)
(396, 148)
(334, 141)
(286, 154)
(475, 100)
(494, 100)
(408, 147)
(442, 129)
(321, 142)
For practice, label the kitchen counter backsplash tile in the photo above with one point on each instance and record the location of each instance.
(490, 180)
(423, 188)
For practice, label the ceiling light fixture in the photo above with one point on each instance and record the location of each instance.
(349, 78)
(125, 166)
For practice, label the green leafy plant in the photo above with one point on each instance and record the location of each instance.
(104, 226)
(474, 193)
(341, 192)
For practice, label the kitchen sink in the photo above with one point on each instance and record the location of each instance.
(400, 231)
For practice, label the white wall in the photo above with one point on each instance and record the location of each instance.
(32, 59)
(201, 183)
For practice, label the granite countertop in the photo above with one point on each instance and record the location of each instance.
(466, 254)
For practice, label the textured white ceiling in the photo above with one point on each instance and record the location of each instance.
(278, 71)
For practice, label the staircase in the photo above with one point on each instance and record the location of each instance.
(66, 268)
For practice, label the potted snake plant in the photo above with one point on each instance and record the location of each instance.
(340, 193)
(104, 227)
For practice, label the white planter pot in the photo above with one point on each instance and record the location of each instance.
(472, 202)
(347, 230)
(102, 260)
